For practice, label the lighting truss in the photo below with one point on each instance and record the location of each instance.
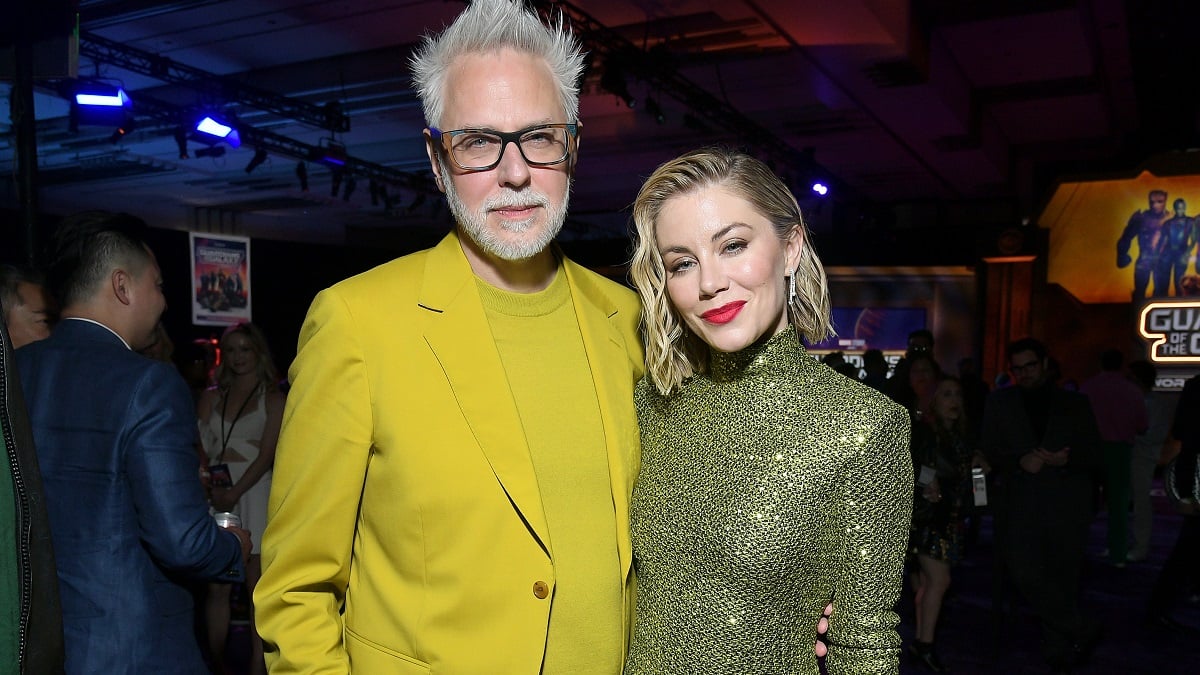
(276, 144)
(220, 88)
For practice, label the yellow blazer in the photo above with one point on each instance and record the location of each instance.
(406, 532)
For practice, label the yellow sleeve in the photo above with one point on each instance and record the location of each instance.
(876, 503)
(320, 467)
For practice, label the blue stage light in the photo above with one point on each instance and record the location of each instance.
(210, 130)
(98, 104)
(108, 97)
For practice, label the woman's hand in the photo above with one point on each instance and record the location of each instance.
(224, 499)
(820, 648)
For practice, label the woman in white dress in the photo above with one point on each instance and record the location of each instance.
(239, 425)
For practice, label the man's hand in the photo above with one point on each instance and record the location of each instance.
(820, 647)
(979, 461)
(244, 537)
(1058, 458)
(1032, 462)
(1123, 260)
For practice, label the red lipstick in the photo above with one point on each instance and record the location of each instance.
(725, 313)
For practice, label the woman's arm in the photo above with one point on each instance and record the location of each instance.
(876, 503)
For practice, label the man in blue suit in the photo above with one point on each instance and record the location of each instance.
(114, 435)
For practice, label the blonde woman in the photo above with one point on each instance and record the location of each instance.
(239, 425)
(769, 483)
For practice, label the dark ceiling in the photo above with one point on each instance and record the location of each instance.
(941, 113)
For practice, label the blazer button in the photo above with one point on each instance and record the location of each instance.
(540, 590)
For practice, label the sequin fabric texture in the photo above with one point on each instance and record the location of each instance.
(767, 487)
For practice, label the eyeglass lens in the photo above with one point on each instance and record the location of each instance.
(474, 149)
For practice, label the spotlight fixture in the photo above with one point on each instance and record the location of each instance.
(213, 151)
(302, 175)
(181, 142)
(103, 96)
(259, 157)
(212, 130)
(98, 104)
(351, 184)
(613, 81)
(655, 110)
(820, 188)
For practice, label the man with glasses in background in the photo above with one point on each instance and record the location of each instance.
(452, 481)
(1045, 447)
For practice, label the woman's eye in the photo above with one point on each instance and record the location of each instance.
(680, 266)
(734, 246)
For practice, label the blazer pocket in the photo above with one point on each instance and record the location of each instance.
(371, 657)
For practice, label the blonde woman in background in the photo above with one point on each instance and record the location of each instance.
(239, 424)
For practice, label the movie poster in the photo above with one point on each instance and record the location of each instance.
(220, 279)
(1125, 240)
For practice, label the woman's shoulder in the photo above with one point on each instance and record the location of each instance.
(651, 404)
(645, 393)
(854, 395)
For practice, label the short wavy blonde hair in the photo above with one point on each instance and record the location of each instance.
(673, 353)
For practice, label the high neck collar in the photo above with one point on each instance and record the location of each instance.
(767, 355)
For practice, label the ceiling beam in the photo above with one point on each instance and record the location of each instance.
(173, 116)
(226, 89)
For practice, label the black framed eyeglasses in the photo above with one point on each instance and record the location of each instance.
(1026, 367)
(481, 149)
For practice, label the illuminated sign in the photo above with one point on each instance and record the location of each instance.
(1174, 329)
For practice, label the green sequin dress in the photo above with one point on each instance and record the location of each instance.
(768, 486)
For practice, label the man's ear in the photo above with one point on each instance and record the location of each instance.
(574, 159)
(431, 152)
(122, 285)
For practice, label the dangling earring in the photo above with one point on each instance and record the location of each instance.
(792, 288)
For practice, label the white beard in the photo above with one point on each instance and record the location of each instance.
(476, 227)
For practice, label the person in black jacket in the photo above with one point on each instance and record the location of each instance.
(1044, 444)
(31, 637)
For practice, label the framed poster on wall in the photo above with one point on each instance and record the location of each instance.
(220, 279)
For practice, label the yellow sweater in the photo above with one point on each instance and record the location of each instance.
(537, 335)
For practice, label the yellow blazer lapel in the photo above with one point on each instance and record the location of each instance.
(458, 333)
(607, 355)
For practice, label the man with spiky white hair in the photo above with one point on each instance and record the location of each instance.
(452, 481)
